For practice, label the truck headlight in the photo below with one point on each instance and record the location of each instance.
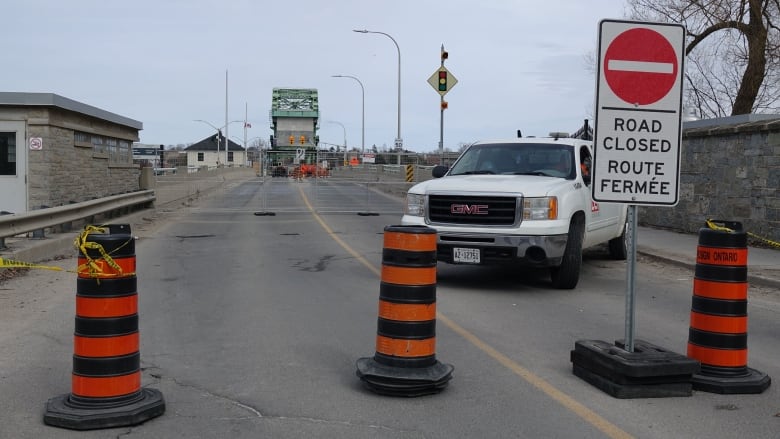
(415, 205)
(541, 208)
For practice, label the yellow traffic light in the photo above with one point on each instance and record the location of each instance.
(292, 139)
(442, 80)
(302, 139)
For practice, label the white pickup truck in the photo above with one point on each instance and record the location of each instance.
(519, 201)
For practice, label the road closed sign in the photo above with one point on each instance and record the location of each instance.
(636, 150)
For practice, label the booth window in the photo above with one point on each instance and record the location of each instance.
(118, 151)
(7, 153)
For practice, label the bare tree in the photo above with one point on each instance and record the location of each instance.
(733, 52)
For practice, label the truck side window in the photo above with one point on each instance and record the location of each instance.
(585, 165)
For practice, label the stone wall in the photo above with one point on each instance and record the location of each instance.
(728, 172)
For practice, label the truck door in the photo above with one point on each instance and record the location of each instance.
(603, 216)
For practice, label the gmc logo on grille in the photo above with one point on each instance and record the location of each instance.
(466, 209)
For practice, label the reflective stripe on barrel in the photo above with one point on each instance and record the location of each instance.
(106, 307)
(398, 240)
(406, 312)
(408, 276)
(720, 290)
(105, 346)
(105, 387)
(406, 325)
(718, 324)
(721, 256)
(718, 357)
(405, 348)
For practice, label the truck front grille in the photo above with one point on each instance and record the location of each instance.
(472, 210)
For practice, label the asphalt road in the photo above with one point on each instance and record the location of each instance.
(251, 327)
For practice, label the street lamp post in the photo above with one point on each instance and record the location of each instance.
(246, 113)
(345, 138)
(363, 117)
(398, 140)
(219, 135)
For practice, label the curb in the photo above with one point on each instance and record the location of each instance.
(752, 278)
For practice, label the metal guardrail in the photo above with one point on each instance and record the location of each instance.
(16, 224)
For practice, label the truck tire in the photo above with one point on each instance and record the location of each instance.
(618, 247)
(566, 275)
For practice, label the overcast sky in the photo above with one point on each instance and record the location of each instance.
(520, 64)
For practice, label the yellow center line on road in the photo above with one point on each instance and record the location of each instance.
(609, 429)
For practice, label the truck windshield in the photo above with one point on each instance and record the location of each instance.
(544, 159)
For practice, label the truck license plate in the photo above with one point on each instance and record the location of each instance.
(465, 255)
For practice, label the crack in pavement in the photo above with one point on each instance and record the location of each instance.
(343, 423)
(257, 414)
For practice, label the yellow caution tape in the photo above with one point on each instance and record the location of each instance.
(91, 267)
(10, 263)
(711, 224)
(764, 240)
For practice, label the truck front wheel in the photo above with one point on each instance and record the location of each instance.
(566, 275)
(618, 247)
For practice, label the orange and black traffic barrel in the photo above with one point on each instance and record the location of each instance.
(106, 379)
(405, 361)
(718, 331)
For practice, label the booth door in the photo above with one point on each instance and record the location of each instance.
(13, 167)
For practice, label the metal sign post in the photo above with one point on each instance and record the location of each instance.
(630, 273)
(636, 147)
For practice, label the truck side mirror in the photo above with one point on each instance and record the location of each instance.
(439, 171)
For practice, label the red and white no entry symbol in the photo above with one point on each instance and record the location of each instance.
(640, 66)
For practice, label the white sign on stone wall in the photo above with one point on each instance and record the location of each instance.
(36, 143)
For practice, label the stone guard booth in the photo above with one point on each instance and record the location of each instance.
(56, 151)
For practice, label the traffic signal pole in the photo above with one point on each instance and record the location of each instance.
(442, 81)
(441, 133)
(442, 107)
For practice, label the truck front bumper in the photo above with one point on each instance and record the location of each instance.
(531, 250)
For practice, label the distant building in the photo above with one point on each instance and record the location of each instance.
(56, 151)
(207, 153)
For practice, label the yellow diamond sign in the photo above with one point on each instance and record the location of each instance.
(442, 80)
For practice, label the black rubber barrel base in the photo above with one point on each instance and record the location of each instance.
(648, 372)
(751, 383)
(630, 391)
(60, 413)
(403, 381)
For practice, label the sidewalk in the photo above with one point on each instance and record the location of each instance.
(680, 249)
